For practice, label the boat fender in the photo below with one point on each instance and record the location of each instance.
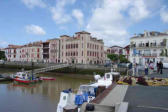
(90, 107)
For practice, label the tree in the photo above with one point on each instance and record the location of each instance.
(166, 54)
(116, 58)
(123, 59)
(162, 53)
(2, 55)
(113, 57)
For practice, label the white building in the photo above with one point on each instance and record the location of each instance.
(150, 46)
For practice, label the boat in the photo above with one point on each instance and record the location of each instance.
(47, 78)
(85, 93)
(5, 78)
(23, 77)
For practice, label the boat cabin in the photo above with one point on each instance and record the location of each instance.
(22, 75)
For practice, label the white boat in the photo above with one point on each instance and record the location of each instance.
(86, 93)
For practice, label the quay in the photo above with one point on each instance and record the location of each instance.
(127, 98)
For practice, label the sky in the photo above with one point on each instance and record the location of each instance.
(114, 21)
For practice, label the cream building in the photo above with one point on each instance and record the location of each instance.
(11, 53)
(150, 46)
(28, 53)
(31, 52)
(81, 48)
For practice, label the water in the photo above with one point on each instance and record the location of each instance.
(40, 97)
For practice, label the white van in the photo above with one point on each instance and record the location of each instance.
(2, 61)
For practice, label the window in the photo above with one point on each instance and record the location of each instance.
(82, 53)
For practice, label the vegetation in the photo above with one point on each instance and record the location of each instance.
(113, 57)
(164, 53)
(2, 55)
(117, 58)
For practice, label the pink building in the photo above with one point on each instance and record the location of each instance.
(81, 48)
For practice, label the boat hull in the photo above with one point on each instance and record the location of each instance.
(26, 81)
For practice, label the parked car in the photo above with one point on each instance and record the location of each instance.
(124, 65)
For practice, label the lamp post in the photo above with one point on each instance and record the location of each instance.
(32, 64)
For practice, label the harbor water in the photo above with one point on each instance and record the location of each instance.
(40, 97)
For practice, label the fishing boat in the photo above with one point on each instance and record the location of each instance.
(23, 77)
(86, 93)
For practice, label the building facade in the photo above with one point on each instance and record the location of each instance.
(45, 51)
(150, 46)
(81, 48)
(28, 53)
(11, 52)
(115, 50)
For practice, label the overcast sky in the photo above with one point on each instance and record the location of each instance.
(114, 21)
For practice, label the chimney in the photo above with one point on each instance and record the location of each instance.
(145, 33)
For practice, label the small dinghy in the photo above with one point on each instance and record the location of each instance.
(47, 78)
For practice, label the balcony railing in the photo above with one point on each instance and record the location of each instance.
(153, 55)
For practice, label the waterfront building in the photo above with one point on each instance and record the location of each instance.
(150, 46)
(45, 50)
(81, 48)
(31, 52)
(11, 52)
(54, 50)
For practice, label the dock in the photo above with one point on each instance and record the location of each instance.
(126, 98)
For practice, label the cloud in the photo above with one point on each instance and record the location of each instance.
(3, 44)
(58, 12)
(34, 3)
(78, 15)
(111, 19)
(164, 14)
(34, 29)
(139, 10)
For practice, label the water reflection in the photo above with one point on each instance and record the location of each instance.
(46, 94)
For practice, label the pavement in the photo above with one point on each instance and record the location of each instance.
(139, 98)
(116, 96)
(147, 99)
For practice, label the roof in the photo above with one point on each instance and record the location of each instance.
(152, 34)
(13, 46)
(116, 46)
(64, 36)
(82, 32)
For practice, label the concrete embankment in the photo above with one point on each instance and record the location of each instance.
(73, 69)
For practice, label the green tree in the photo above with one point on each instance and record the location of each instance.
(162, 53)
(166, 54)
(113, 57)
(123, 59)
(2, 55)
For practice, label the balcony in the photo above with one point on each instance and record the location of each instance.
(149, 55)
(151, 45)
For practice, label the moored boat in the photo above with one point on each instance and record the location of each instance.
(86, 93)
(25, 78)
(47, 78)
(5, 78)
